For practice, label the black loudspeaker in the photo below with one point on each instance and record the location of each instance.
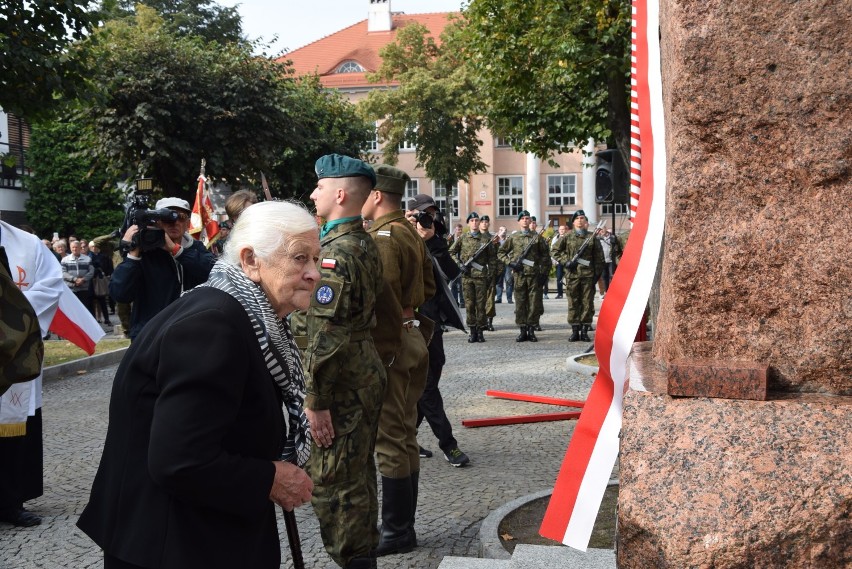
(610, 179)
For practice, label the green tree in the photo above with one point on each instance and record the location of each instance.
(552, 72)
(66, 194)
(204, 18)
(434, 107)
(36, 64)
(160, 103)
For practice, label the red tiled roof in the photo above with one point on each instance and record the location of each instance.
(355, 43)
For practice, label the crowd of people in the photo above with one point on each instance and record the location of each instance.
(277, 376)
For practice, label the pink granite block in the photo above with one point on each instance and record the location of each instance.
(715, 378)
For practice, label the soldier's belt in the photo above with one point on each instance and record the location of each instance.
(357, 336)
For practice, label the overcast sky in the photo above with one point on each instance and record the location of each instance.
(299, 22)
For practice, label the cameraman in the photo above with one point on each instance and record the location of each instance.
(153, 279)
(442, 308)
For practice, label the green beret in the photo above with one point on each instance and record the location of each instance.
(339, 166)
(391, 180)
(484, 218)
(523, 213)
(576, 214)
(472, 215)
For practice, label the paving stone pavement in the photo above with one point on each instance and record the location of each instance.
(507, 462)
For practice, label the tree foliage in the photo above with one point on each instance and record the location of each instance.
(160, 103)
(36, 64)
(66, 195)
(434, 106)
(203, 18)
(552, 72)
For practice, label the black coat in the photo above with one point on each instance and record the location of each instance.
(195, 422)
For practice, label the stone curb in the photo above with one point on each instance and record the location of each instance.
(83, 365)
(489, 532)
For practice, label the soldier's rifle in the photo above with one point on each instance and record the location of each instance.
(467, 265)
(516, 264)
(576, 260)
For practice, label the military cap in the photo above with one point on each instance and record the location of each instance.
(523, 213)
(532, 218)
(576, 214)
(391, 180)
(422, 202)
(484, 218)
(472, 215)
(339, 166)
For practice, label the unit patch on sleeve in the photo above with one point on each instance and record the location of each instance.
(325, 294)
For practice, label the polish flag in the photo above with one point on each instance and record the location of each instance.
(202, 226)
(75, 323)
(593, 449)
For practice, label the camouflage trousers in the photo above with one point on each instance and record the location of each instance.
(581, 300)
(475, 296)
(527, 295)
(345, 497)
(490, 308)
(397, 451)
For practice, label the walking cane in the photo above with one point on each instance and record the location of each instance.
(293, 538)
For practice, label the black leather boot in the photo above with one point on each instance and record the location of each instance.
(531, 334)
(491, 324)
(415, 482)
(575, 333)
(584, 333)
(473, 337)
(361, 563)
(523, 336)
(397, 513)
(479, 336)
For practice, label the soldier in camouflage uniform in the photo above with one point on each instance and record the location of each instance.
(496, 270)
(581, 274)
(400, 337)
(345, 379)
(526, 269)
(21, 346)
(544, 273)
(477, 274)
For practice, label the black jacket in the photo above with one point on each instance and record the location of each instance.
(195, 422)
(442, 307)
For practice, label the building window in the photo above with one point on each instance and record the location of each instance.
(350, 67)
(561, 190)
(373, 143)
(510, 195)
(620, 209)
(502, 142)
(406, 145)
(412, 188)
(440, 195)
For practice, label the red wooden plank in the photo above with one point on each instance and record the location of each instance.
(517, 419)
(535, 398)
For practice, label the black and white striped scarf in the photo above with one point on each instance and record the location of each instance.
(279, 351)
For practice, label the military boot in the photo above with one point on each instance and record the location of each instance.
(523, 336)
(361, 563)
(531, 334)
(575, 333)
(491, 324)
(396, 535)
(584, 333)
(415, 483)
(479, 336)
(473, 336)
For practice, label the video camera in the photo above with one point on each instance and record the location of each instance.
(149, 237)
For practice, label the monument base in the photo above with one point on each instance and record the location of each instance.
(732, 483)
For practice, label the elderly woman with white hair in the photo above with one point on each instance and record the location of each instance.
(198, 450)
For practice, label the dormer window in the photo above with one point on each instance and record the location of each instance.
(350, 67)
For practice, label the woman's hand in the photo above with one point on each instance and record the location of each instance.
(291, 486)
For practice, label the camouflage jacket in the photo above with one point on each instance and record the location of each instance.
(589, 264)
(21, 346)
(407, 276)
(537, 259)
(340, 354)
(466, 247)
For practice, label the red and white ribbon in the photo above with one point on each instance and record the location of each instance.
(591, 454)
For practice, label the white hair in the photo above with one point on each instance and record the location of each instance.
(265, 227)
